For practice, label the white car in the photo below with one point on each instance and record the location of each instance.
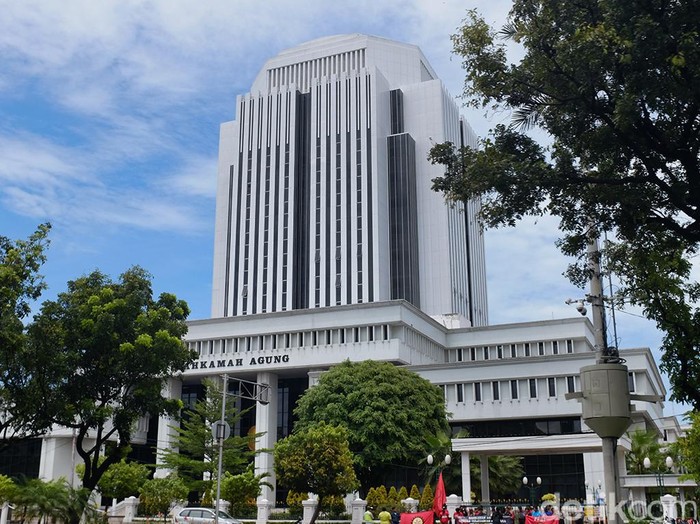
(202, 516)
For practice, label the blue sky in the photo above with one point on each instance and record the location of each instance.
(109, 130)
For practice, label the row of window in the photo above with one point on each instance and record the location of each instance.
(508, 389)
(525, 349)
(319, 337)
(515, 389)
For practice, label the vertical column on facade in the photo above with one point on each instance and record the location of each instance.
(485, 492)
(266, 425)
(466, 479)
(166, 431)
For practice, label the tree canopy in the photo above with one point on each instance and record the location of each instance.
(686, 450)
(102, 353)
(20, 285)
(615, 85)
(388, 412)
(316, 459)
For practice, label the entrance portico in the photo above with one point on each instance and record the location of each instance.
(587, 443)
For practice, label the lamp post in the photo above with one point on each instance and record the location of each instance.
(430, 459)
(446, 462)
(533, 486)
(659, 474)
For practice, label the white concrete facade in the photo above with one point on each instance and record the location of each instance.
(522, 371)
(304, 216)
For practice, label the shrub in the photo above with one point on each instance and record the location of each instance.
(426, 499)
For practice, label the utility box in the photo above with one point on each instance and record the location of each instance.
(606, 399)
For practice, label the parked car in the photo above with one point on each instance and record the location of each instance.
(202, 516)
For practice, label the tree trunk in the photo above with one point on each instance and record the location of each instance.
(317, 511)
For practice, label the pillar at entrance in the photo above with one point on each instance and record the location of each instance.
(485, 492)
(466, 479)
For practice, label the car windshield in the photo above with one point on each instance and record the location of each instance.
(224, 515)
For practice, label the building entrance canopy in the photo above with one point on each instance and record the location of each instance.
(534, 445)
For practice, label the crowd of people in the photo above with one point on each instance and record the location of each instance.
(499, 515)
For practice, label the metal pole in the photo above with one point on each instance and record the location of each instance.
(596, 299)
(609, 444)
(220, 436)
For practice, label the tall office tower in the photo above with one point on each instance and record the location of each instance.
(324, 188)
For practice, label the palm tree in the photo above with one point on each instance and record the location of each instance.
(505, 475)
(643, 444)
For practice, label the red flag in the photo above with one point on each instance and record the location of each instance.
(440, 496)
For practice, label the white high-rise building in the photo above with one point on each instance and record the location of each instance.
(330, 245)
(324, 188)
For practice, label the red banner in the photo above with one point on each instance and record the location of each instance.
(423, 517)
(542, 519)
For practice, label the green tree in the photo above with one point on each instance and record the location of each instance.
(195, 452)
(123, 479)
(392, 499)
(643, 444)
(615, 85)
(7, 488)
(403, 494)
(158, 495)
(102, 353)
(382, 497)
(388, 411)
(316, 459)
(242, 490)
(426, 498)
(687, 448)
(372, 497)
(36, 499)
(415, 492)
(20, 286)
(505, 475)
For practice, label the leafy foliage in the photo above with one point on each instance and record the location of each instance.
(158, 495)
(615, 85)
(123, 479)
(20, 286)
(388, 412)
(102, 353)
(195, 452)
(505, 475)
(45, 501)
(688, 448)
(316, 459)
(242, 490)
(426, 498)
(294, 502)
(643, 444)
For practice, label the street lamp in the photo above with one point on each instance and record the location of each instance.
(448, 460)
(659, 474)
(534, 486)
